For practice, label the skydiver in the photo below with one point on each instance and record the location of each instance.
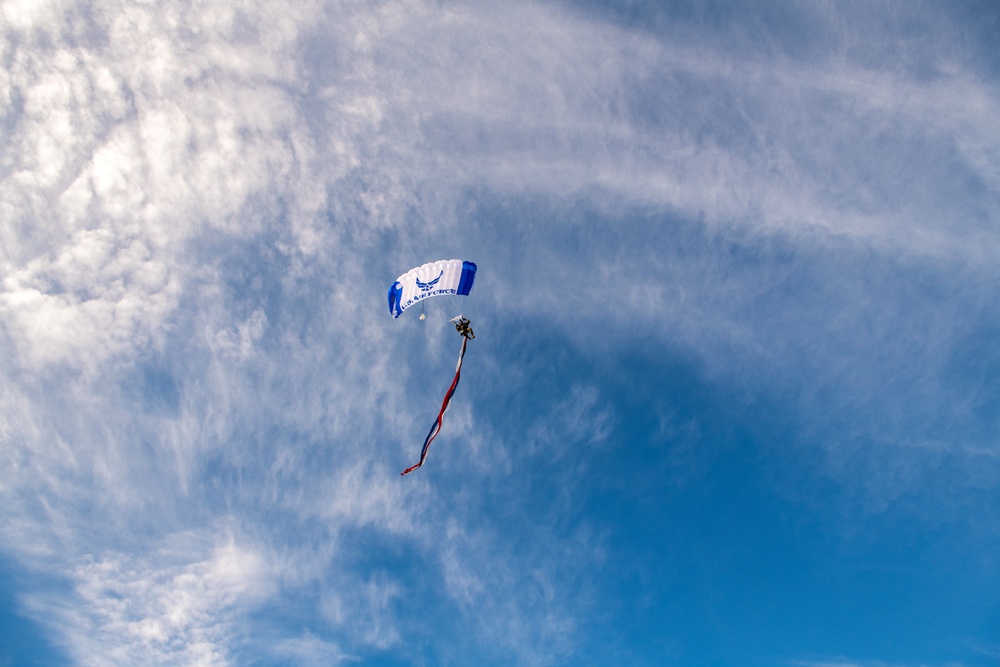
(462, 327)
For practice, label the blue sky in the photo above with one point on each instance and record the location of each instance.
(734, 394)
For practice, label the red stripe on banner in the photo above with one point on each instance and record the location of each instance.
(436, 428)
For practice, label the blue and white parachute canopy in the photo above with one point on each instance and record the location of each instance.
(446, 276)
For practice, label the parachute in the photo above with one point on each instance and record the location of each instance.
(441, 278)
(446, 276)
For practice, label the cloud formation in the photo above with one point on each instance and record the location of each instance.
(204, 406)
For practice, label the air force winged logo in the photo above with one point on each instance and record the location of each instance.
(428, 285)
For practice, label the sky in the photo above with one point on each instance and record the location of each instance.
(734, 394)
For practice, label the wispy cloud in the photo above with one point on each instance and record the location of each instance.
(176, 605)
(309, 650)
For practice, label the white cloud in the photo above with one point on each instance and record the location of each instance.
(309, 650)
(178, 605)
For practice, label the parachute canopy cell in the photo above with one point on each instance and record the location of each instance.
(446, 276)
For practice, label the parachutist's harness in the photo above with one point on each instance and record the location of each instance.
(462, 327)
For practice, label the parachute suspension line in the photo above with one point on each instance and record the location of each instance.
(467, 335)
(456, 306)
(463, 302)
